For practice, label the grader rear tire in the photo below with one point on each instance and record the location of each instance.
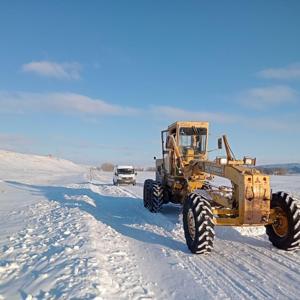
(198, 224)
(284, 233)
(153, 195)
(146, 196)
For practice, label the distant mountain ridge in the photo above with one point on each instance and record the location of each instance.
(288, 168)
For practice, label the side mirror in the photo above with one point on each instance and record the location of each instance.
(135, 173)
(154, 157)
(220, 144)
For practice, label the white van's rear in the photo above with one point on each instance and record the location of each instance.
(124, 174)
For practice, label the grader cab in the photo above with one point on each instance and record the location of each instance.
(184, 173)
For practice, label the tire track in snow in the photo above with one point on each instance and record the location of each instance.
(120, 277)
(190, 266)
(202, 268)
(238, 272)
(234, 269)
(262, 266)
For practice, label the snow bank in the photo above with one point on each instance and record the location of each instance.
(25, 167)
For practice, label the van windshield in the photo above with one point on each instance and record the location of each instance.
(125, 171)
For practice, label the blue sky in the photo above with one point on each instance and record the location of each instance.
(96, 81)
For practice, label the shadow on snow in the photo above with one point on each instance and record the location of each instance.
(126, 215)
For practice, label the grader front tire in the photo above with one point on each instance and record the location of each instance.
(198, 224)
(284, 233)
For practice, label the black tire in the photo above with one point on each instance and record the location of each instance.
(156, 198)
(153, 195)
(198, 224)
(146, 192)
(285, 233)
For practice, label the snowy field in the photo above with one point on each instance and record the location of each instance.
(65, 236)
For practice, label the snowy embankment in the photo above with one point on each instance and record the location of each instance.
(62, 236)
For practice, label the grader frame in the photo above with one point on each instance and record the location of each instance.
(183, 176)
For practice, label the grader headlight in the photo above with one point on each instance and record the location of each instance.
(222, 160)
(249, 161)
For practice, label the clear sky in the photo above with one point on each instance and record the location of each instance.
(96, 81)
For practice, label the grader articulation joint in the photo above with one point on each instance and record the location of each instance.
(183, 176)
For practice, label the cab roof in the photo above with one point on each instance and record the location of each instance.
(203, 124)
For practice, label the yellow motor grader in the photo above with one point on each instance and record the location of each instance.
(184, 173)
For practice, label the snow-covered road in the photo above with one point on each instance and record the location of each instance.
(63, 236)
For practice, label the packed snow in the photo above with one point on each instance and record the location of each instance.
(67, 233)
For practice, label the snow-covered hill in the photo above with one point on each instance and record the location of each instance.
(35, 167)
(63, 237)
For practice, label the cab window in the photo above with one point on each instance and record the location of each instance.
(194, 138)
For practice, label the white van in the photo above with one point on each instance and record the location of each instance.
(124, 174)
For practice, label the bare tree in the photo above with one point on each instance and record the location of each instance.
(108, 167)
